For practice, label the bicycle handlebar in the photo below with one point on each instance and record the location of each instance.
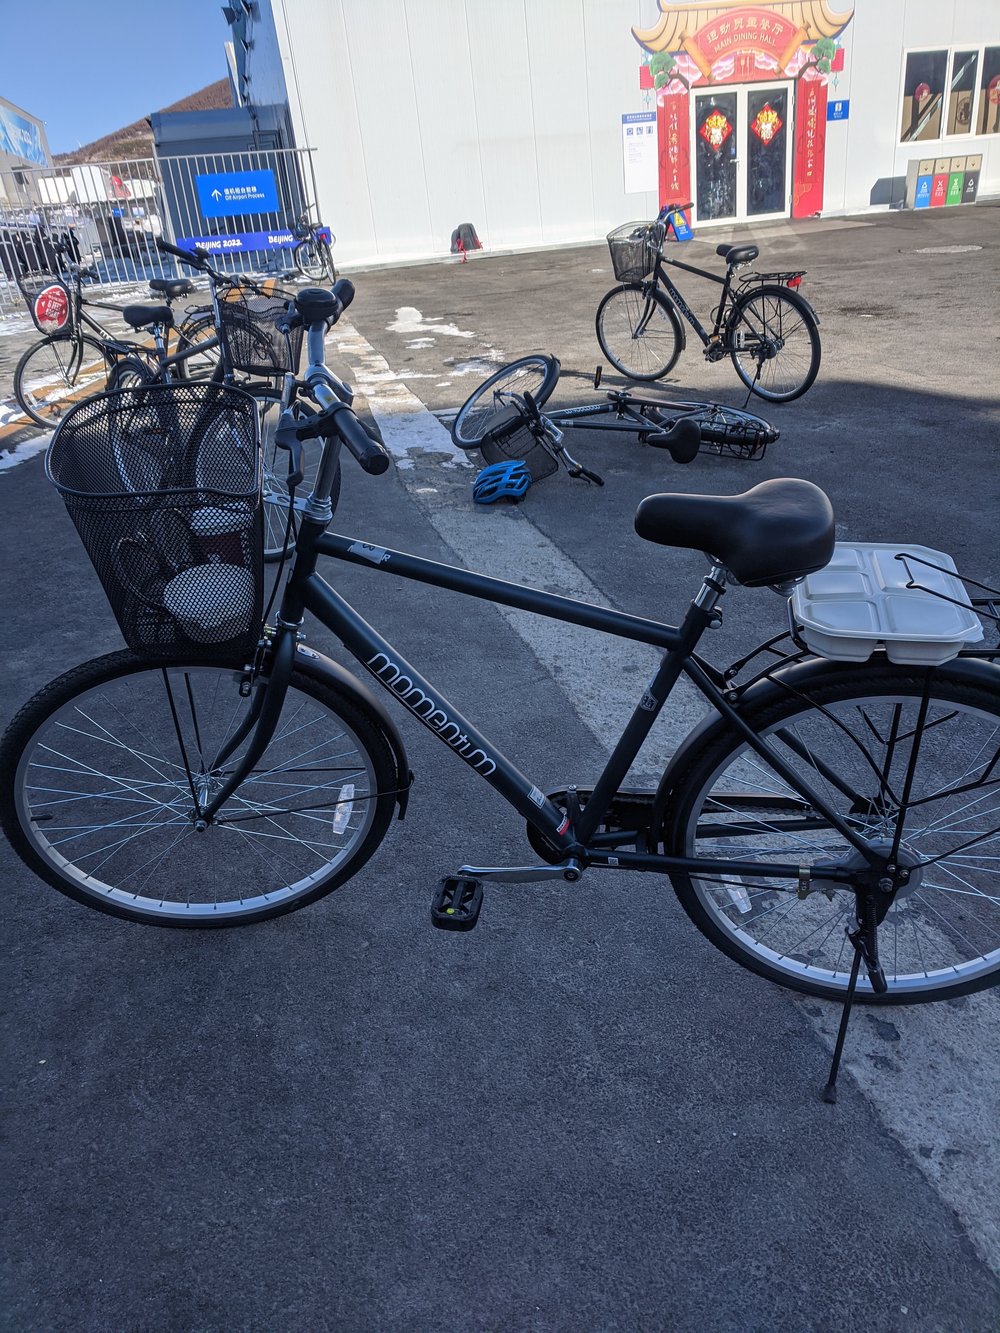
(191, 257)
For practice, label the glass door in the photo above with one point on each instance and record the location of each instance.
(742, 153)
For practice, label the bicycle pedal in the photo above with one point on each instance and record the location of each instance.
(457, 903)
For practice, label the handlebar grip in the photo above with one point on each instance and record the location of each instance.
(188, 256)
(343, 290)
(372, 457)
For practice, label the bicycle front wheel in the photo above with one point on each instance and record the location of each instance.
(102, 768)
(773, 339)
(56, 373)
(494, 403)
(639, 331)
(853, 735)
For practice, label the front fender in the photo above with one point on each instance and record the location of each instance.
(327, 672)
(799, 676)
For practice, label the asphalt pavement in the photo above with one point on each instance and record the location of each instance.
(580, 1116)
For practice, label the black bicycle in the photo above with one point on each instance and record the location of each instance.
(832, 825)
(762, 322)
(503, 419)
(78, 354)
(313, 256)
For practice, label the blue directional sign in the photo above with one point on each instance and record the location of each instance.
(231, 193)
(838, 110)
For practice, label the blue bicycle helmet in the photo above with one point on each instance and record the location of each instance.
(508, 480)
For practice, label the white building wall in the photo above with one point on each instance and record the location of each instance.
(507, 114)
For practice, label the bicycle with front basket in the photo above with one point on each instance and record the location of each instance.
(77, 354)
(832, 825)
(503, 419)
(762, 322)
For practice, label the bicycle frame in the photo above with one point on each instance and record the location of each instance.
(307, 591)
(661, 279)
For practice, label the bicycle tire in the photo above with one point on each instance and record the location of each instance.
(275, 476)
(196, 329)
(57, 372)
(652, 353)
(728, 428)
(768, 316)
(119, 834)
(131, 373)
(489, 406)
(309, 260)
(950, 909)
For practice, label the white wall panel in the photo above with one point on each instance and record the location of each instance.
(507, 113)
(446, 109)
(502, 89)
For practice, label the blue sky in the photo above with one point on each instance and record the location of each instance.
(88, 67)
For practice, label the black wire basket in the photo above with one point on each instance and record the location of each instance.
(513, 439)
(164, 485)
(251, 338)
(49, 302)
(634, 247)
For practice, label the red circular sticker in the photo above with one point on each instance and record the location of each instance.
(52, 308)
(921, 91)
(993, 92)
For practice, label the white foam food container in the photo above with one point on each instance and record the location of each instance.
(860, 602)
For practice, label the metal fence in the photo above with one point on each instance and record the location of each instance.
(240, 206)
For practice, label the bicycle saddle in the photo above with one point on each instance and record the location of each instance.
(140, 316)
(779, 530)
(737, 254)
(171, 287)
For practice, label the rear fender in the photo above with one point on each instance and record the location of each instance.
(797, 677)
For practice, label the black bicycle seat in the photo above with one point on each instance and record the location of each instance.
(141, 316)
(779, 530)
(171, 288)
(737, 254)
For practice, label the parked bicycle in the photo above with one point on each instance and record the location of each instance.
(829, 816)
(762, 322)
(313, 255)
(503, 419)
(78, 353)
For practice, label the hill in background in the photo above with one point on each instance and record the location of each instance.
(136, 140)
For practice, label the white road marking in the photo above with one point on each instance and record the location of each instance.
(924, 1068)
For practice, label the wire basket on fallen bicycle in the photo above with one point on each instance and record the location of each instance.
(514, 439)
(252, 340)
(634, 247)
(49, 302)
(164, 485)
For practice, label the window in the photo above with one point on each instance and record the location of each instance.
(949, 93)
(988, 111)
(923, 93)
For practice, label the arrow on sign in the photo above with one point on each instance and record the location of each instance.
(216, 194)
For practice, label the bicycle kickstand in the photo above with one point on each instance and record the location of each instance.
(865, 945)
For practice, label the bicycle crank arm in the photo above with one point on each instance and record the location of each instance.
(567, 870)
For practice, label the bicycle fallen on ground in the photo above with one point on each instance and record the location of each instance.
(833, 824)
(503, 419)
(762, 322)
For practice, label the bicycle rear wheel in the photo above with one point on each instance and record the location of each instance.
(309, 259)
(494, 403)
(100, 770)
(852, 733)
(728, 430)
(773, 339)
(198, 329)
(639, 331)
(56, 373)
(276, 516)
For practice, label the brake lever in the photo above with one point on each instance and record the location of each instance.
(286, 437)
(586, 474)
